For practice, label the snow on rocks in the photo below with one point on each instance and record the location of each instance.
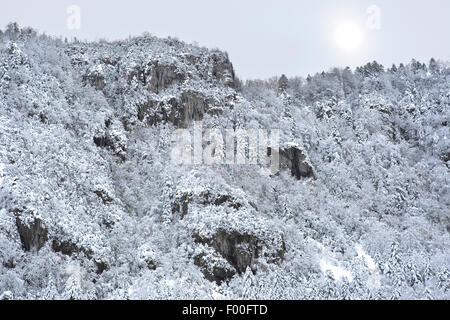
(293, 158)
(227, 226)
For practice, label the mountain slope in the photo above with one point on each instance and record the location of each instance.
(92, 206)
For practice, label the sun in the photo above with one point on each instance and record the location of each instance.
(349, 36)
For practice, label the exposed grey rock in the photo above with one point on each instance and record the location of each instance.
(69, 248)
(223, 69)
(293, 158)
(102, 194)
(194, 107)
(181, 204)
(232, 234)
(108, 141)
(9, 264)
(112, 138)
(446, 157)
(33, 235)
(241, 250)
(136, 72)
(160, 76)
(101, 266)
(191, 106)
(151, 264)
(96, 78)
(214, 267)
(154, 112)
(182, 200)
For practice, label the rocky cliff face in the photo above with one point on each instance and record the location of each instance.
(292, 157)
(117, 96)
(171, 83)
(32, 235)
(230, 231)
(92, 207)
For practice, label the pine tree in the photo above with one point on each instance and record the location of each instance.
(283, 84)
(433, 66)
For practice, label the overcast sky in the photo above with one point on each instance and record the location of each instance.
(263, 38)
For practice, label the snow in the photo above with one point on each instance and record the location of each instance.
(380, 176)
(375, 277)
(338, 272)
(374, 281)
(217, 296)
(75, 276)
(368, 259)
(170, 283)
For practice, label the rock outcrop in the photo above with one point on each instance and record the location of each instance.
(69, 248)
(294, 159)
(194, 106)
(229, 231)
(180, 111)
(223, 69)
(213, 266)
(112, 138)
(96, 78)
(33, 234)
(181, 202)
(160, 76)
(240, 249)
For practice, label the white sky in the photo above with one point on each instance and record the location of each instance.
(263, 38)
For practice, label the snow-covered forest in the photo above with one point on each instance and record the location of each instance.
(92, 207)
